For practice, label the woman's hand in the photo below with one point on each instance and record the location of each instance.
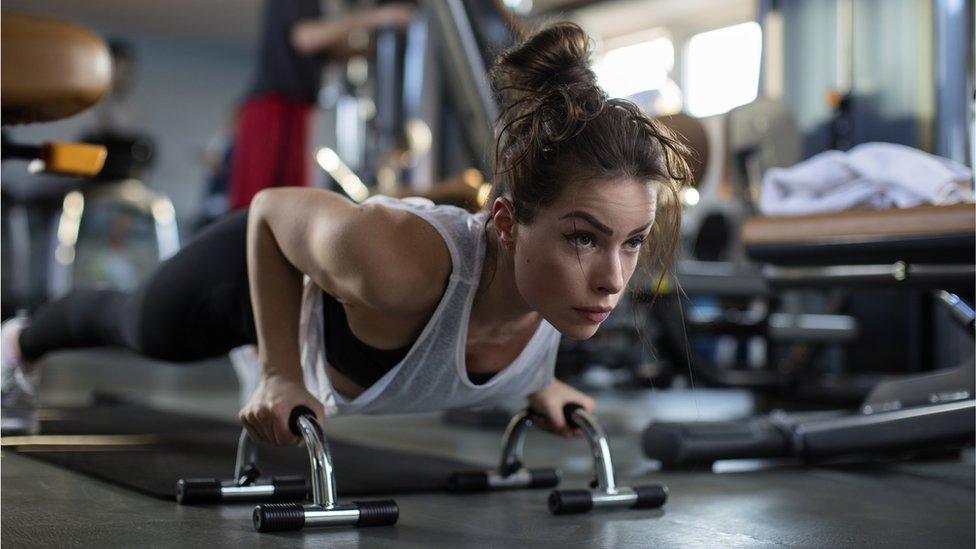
(550, 401)
(266, 415)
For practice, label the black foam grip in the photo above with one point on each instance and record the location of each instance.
(467, 481)
(650, 496)
(568, 410)
(381, 512)
(533, 413)
(197, 490)
(296, 413)
(278, 517)
(290, 488)
(544, 478)
(565, 502)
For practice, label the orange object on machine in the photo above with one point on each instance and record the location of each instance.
(72, 158)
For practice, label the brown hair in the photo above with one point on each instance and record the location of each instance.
(557, 127)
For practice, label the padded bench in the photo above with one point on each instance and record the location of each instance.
(932, 246)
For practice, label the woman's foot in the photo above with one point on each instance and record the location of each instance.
(18, 383)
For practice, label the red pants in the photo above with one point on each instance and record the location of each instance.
(270, 147)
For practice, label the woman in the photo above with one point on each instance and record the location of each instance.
(407, 306)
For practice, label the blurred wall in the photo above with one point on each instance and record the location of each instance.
(891, 77)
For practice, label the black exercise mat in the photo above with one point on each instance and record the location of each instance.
(183, 446)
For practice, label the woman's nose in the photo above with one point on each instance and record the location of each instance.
(608, 278)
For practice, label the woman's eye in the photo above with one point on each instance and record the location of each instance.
(636, 243)
(580, 239)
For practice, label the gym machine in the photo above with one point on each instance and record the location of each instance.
(930, 249)
(56, 70)
(52, 70)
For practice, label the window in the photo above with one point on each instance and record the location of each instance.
(637, 68)
(722, 69)
(521, 7)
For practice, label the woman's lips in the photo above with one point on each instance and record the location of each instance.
(593, 315)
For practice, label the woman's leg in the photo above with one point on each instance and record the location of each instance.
(195, 305)
(84, 318)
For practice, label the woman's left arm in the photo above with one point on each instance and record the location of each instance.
(550, 400)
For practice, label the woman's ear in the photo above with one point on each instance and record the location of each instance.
(503, 215)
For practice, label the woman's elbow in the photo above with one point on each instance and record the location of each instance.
(262, 202)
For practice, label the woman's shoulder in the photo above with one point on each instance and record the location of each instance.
(445, 217)
(461, 230)
(409, 261)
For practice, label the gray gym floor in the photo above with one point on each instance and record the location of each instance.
(920, 504)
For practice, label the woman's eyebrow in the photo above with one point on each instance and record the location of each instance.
(640, 229)
(600, 226)
(591, 220)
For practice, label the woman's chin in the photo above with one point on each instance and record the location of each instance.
(578, 332)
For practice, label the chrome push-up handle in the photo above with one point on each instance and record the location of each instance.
(247, 484)
(511, 473)
(604, 492)
(325, 510)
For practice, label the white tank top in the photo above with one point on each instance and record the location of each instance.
(432, 375)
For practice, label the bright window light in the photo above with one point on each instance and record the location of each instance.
(722, 69)
(519, 6)
(632, 69)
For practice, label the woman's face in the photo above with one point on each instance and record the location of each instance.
(574, 260)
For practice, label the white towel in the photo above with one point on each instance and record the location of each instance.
(869, 176)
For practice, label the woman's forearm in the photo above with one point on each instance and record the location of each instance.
(291, 232)
(276, 295)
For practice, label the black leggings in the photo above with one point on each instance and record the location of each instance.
(195, 305)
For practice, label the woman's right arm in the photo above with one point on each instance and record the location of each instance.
(367, 256)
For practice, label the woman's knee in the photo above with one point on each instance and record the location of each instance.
(161, 341)
(179, 336)
(154, 325)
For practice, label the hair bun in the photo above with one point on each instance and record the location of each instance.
(556, 55)
(546, 81)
